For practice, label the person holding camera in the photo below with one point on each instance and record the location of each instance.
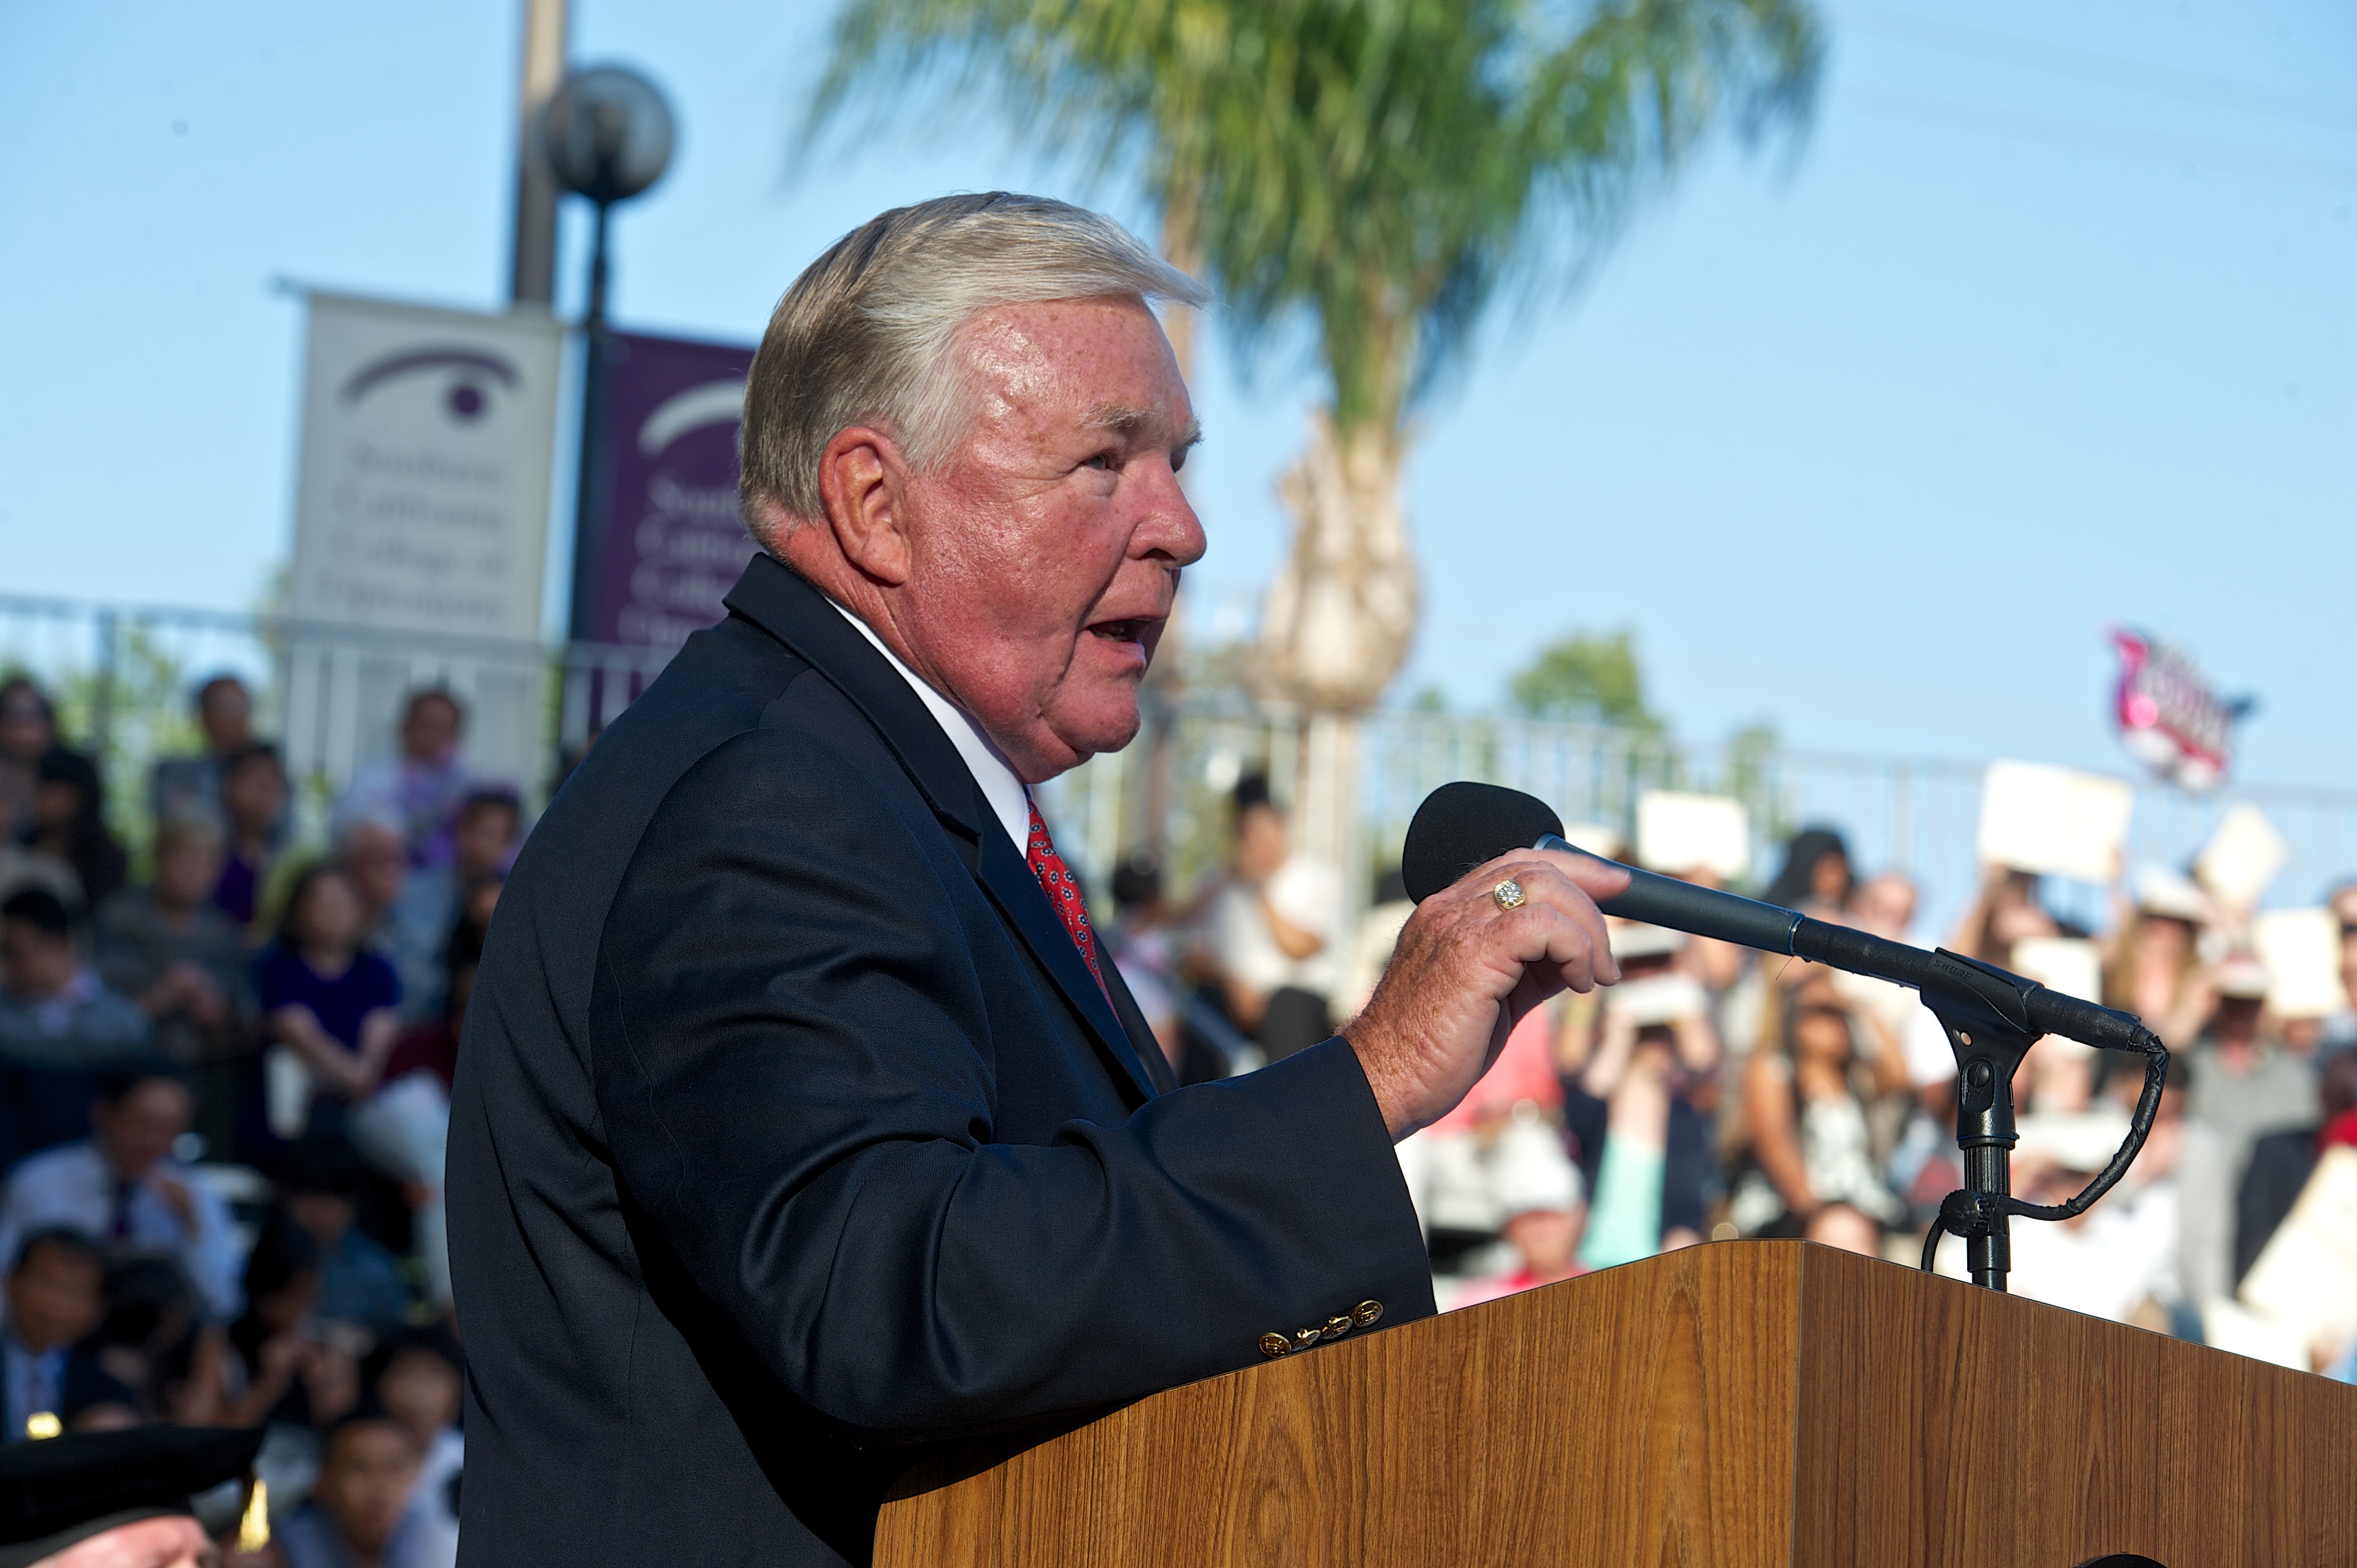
(1631, 1067)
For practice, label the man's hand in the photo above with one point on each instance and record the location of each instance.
(1465, 971)
(175, 1196)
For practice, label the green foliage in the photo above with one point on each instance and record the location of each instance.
(1379, 166)
(1428, 699)
(1587, 680)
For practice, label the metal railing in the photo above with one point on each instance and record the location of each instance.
(124, 675)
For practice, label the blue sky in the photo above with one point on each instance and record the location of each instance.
(2048, 326)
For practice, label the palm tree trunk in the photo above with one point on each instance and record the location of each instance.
(1341, 611)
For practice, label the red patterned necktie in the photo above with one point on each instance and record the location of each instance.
(1056, 880)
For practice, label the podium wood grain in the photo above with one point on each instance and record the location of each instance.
(1734, 1405)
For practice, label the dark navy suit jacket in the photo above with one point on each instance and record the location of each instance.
(792, 1136)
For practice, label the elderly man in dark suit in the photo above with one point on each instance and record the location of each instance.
(799, 1126)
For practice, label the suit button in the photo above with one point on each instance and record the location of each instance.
(1335, 1328)
(1275, 1345)
(1366, 1312)
(1305, 1338)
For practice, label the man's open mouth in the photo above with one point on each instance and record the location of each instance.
(1120, 630)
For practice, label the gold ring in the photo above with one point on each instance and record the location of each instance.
(1507, 894)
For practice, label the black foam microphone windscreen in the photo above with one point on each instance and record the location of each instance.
(1463, 824)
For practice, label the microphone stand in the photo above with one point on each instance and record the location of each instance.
(1982, 1009)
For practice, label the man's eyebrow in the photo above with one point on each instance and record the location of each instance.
(1117, 417)
(1122, 420)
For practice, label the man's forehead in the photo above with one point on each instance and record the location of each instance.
(1105, 361)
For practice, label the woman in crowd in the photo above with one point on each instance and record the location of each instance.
(1805, 1130)
(1630, 1065)
(29, 731)
(329, 1006)
(1816, 878)
(67, 823)
(254, 805)
(2155, 969)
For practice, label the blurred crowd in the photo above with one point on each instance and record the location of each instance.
(1717, 1093)
(225, 1064)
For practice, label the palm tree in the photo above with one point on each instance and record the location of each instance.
(1380, 169)
(1381, 166)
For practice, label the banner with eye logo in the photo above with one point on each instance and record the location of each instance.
(423, 502)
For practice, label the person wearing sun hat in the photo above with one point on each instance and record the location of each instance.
(130, 1498)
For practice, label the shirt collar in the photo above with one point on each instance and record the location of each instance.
(993, 774)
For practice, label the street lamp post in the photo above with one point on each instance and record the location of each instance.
(607, 135)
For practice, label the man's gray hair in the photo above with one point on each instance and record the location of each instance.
(862, 337)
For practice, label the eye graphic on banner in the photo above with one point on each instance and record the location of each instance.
(463, 398)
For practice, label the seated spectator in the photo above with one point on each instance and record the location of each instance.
(28, 732)
(1631, 1065)
(1138, 941)
(420, 788)
(254, 796)
(359, 1504)
(370, 851)
(417, 927)
(1804, 1133)
(283, 1365)
(2154, 966)
(190, 786)
(1272, 931)
(404, 1127)
(67, 823)
(121, 1187)
(2243, 1084)
(359, 1282)
(420, 1387)
(59, 1027)
(1371, 944)
(156, 1339)
(168, 948)
(330, 1007)
(56, 1298)
(2282, 1161)
(2008, 910)
(1815, 878)
(1539, 1190)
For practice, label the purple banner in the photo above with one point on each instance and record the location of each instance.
(671, 544)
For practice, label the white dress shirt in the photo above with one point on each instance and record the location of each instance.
(74, 1188)
(991, 771)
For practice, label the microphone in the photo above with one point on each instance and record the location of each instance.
(1464, 824)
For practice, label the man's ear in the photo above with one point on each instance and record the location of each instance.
(863, 482)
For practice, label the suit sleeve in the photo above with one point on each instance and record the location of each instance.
(793, 1063)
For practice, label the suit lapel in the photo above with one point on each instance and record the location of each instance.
(783, 604)
(1025, 903)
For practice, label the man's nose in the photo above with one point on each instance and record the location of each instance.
(1170, 529)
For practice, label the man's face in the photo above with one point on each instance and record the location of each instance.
(365, 1481)
(486, 834)
(374, 855)
(138, 1129)
(226, 713)
(25, 729)
(55, 1298)
(38, 965)
(429, 733)
(1260, 843)
(185, 870)
(1046, 550)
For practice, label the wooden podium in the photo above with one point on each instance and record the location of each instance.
(1739, 1404)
